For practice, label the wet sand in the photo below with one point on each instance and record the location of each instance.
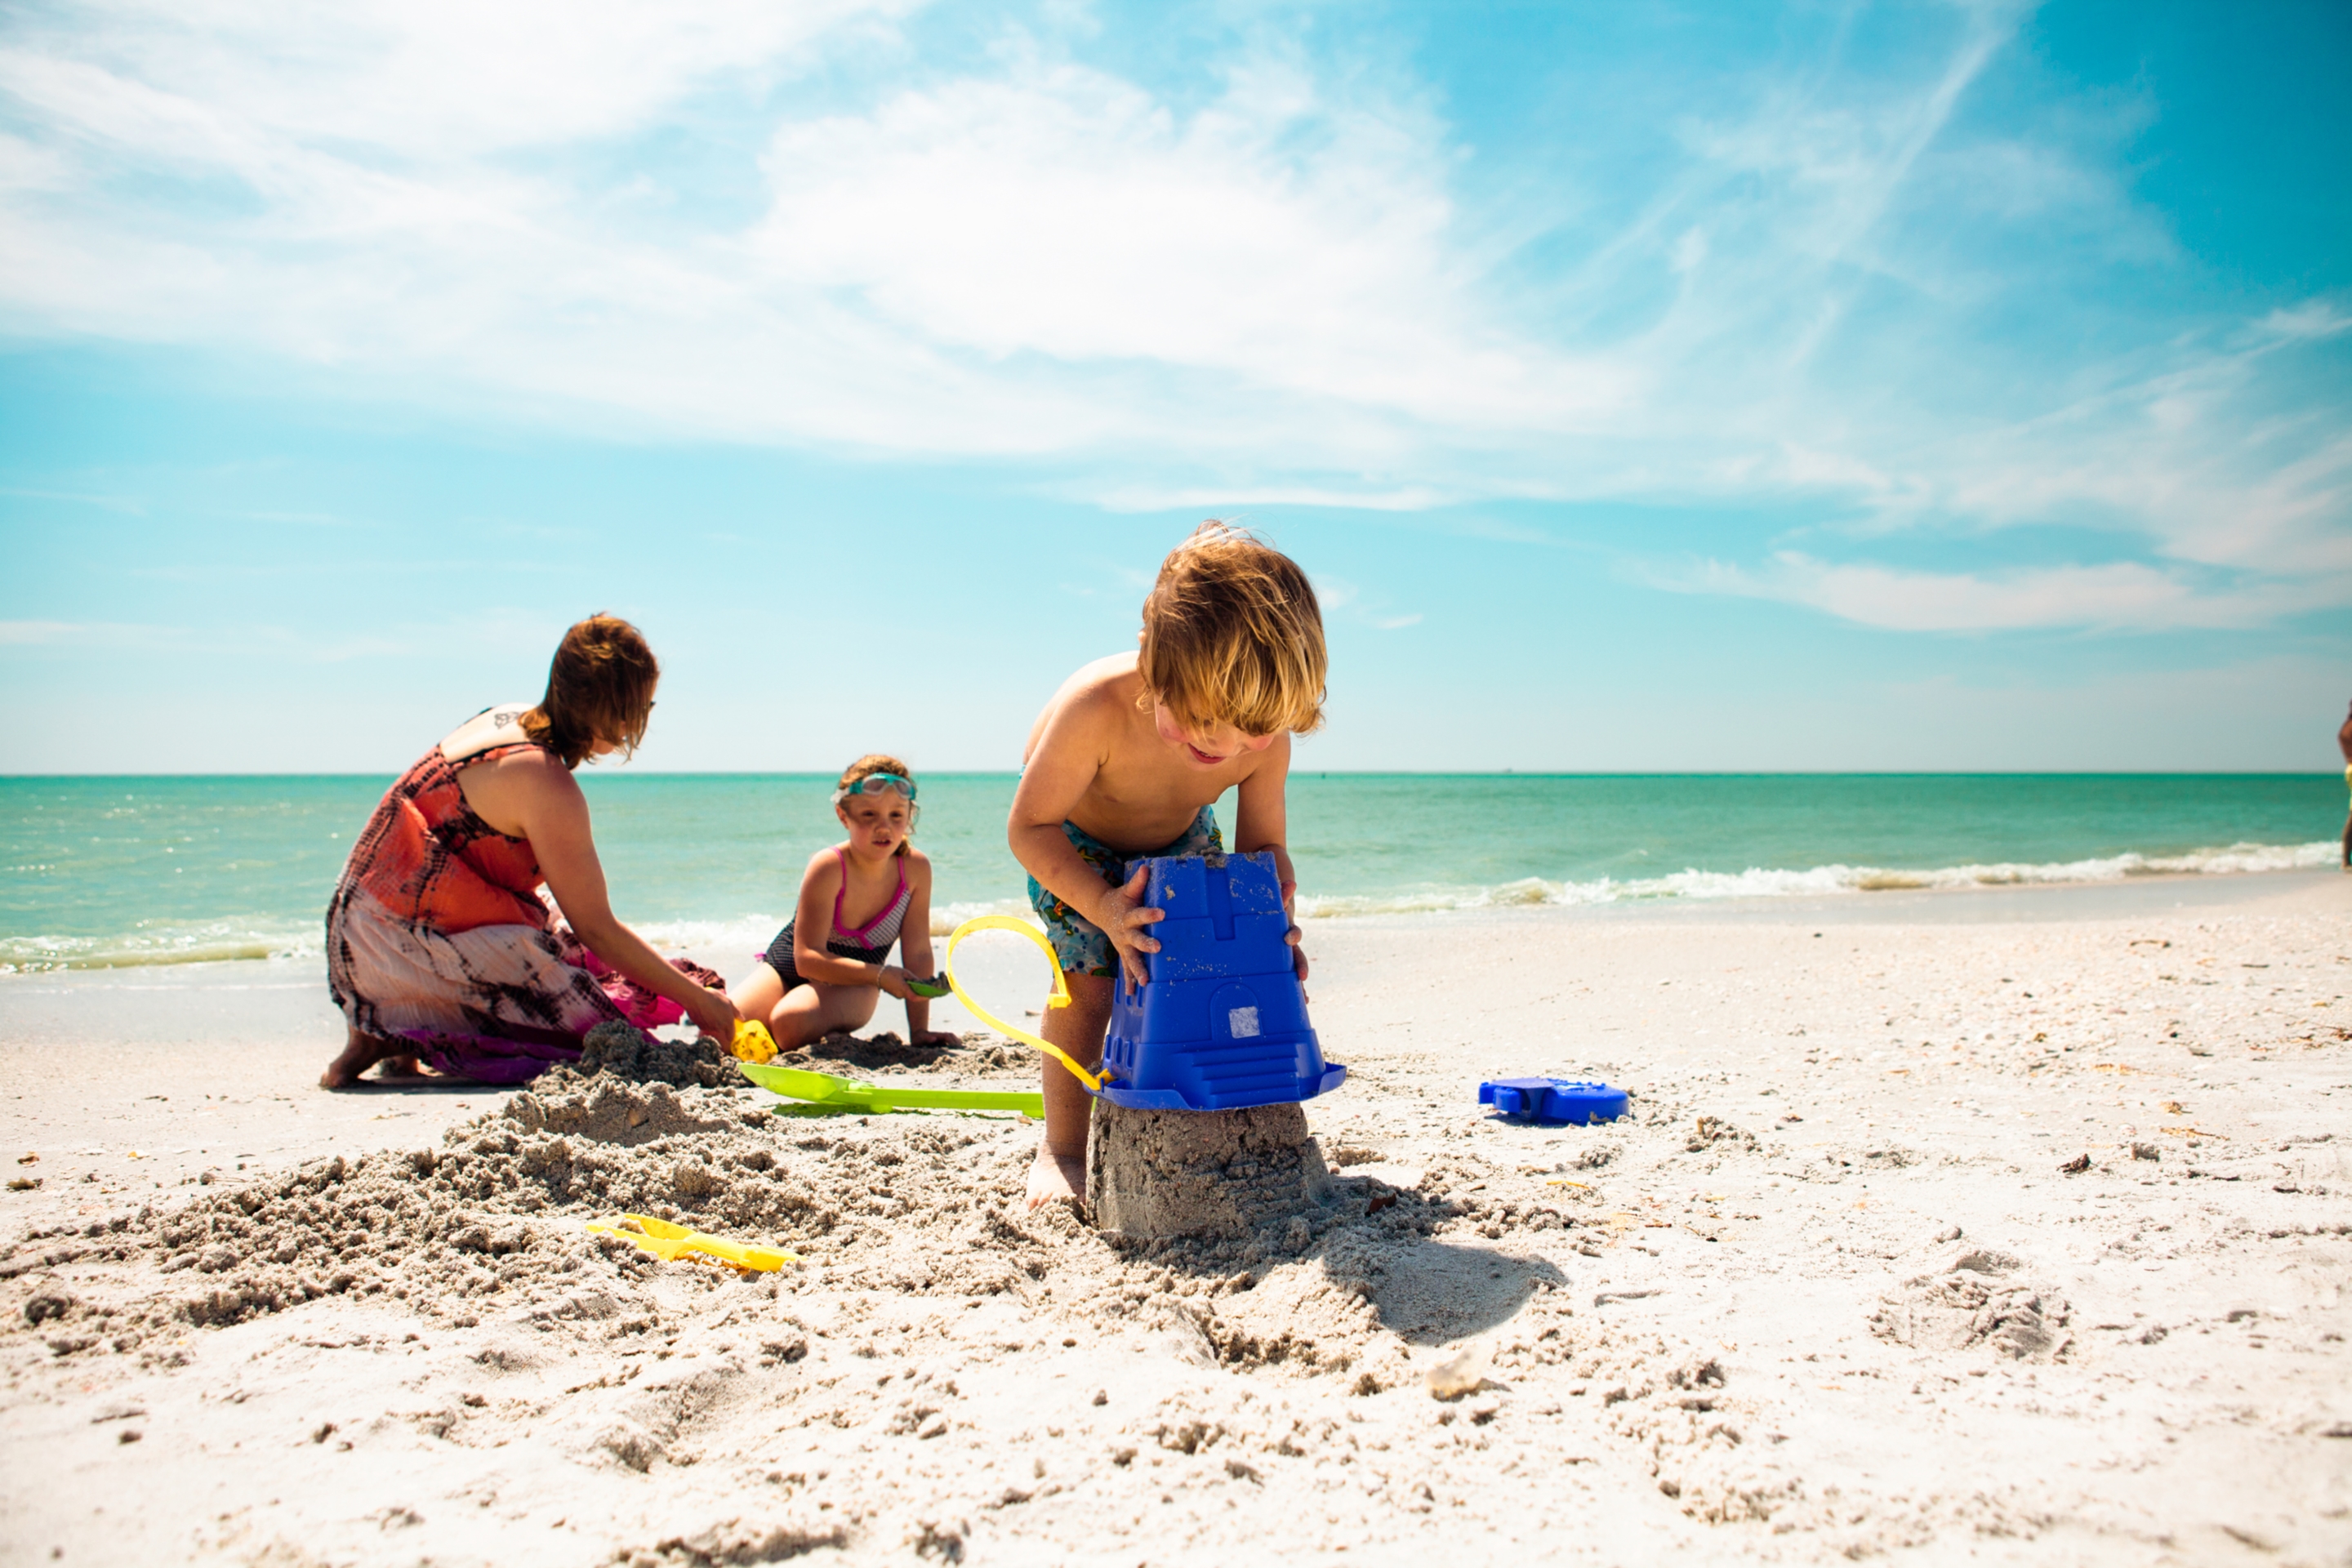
(1836, 1290)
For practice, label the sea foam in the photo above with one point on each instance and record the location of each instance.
(1760, 883)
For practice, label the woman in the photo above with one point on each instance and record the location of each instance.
(440, 945)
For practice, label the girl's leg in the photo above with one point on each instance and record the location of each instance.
(1060, 1169)
(811, 1011)
(757, 995)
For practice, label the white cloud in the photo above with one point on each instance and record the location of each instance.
(2115, 595)
(2313, 319)
(439, 80)
(80, 634)
(1070, 214)
(1276, 296)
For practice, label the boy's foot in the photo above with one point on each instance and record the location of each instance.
(1057, 1178)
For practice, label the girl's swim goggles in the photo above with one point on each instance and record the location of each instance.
(882, 783)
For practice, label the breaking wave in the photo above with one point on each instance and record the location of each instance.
(730, 946)
(1759, 883)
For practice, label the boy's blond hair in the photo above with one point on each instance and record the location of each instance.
(1232, 633)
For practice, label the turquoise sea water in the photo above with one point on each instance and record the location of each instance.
(99, 871)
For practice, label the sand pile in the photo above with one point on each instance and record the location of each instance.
(625, 1051)
(976, 1054)
(1154, 1174)
(908, 1205)
(628, 1052)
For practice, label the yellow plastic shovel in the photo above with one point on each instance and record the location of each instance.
(670, 1242)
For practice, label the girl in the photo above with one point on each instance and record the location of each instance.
(857, 899)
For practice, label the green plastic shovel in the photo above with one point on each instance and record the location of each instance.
(823, 1091)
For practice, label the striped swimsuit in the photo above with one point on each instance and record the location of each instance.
(868, 943)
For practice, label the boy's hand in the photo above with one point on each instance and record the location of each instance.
(1125, 918)
(1297, 953)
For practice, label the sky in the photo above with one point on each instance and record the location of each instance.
(1644, 386)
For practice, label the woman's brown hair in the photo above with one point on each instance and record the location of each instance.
(600, 688)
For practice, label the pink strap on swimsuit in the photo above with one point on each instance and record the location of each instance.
(866, 936)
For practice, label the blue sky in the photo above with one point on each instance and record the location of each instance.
(1645, 386)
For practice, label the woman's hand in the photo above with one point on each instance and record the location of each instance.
(1125, 919)
(714, 1014)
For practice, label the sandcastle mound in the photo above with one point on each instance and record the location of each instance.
(1159, 1173)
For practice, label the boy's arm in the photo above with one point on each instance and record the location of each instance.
(1262, 821)
(1069, 753)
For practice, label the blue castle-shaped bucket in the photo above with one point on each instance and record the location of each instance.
(1222, 1024)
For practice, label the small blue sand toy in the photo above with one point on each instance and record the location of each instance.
(1222, 1022)
(1575, 1101)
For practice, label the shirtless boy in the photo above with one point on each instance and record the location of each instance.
(1127, 760)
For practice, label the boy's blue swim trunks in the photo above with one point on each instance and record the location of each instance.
(1078, 941)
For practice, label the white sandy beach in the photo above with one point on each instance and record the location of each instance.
(1829, 1293)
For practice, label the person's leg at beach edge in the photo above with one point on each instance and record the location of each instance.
(361, 1052)
(2344, 744)
(1059, 1171)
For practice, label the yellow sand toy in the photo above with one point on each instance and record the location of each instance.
(752, 1041)
(670, 1242)
(1060, 997)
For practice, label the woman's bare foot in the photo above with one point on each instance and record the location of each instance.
(360, 1052)
(1057, 1178)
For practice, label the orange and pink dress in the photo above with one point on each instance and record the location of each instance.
(441, 934)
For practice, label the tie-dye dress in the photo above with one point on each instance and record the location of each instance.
(441, 935)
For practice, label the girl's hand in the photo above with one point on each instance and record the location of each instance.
(935, 1038)
(1125, 919)
(893, 980)
(715, 1015)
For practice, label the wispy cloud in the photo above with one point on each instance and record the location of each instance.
(78, 498)
(2114, 597)
(78, 633)
(1280, 291)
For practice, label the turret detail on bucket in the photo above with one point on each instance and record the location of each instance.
(1222, 1024)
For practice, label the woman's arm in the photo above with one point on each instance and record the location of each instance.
(1261, 820)
(915, 950)
(1070, 750)
(812, 927)
(532, 795)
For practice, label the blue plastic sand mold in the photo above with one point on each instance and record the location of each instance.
(1222, 1022)
(1553, 1099)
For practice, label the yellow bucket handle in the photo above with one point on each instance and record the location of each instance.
(1060, 998)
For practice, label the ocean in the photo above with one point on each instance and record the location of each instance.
(97, 872)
